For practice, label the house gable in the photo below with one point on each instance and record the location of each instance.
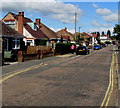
(8, 17)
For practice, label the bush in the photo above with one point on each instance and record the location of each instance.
(108, 42)
(63, 48)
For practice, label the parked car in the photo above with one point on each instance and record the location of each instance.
(103, 45)
(82, 50)
(97, 47)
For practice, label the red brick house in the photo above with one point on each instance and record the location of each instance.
(25, 26)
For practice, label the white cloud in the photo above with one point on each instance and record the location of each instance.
(95, 5)
(103, 11)
(101, 29)
(96, 23)
(63, 12)
(111, 18)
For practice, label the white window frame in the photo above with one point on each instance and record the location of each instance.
(16, 40)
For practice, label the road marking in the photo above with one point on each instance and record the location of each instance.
(110, 86)
(16, 73)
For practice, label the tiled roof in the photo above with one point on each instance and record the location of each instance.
(36, 34)
(103, 35)
(94, 35)
(7, 31)
(25, 19)
(86, 35)
(47, 31)
(65, 34)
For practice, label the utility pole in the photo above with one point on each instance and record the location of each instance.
(75, 23)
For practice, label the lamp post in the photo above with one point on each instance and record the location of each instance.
(79, 34)
(79, 30)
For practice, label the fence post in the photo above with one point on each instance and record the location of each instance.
(53, 52)
(38, 54)
(41, 54)
(20, 56)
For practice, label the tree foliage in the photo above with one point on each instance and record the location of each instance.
(109, 33)
(117, 31)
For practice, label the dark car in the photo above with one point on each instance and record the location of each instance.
(97, 47)
(82, 50)
(103, 45)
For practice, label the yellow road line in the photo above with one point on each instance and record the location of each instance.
(16, 73)
(11, 74)
(110, 86)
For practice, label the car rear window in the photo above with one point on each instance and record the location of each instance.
(81, 48)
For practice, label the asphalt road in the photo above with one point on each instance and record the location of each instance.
(58, 81)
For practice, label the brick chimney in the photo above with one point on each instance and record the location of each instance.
(38, 21)
(20, 22)
(65, 29)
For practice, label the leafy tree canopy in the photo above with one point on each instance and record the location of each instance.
(117, 31)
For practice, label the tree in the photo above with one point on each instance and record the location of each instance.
(103, 33)
(109, 33)
(117, 31)
(98, 37)
(68, 39)
(61, 39)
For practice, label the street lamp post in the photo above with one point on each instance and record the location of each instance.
(79, 34)
(79, 30)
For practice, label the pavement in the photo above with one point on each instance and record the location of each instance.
(119, 78)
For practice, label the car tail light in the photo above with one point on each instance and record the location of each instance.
(84, 49)
(77, 49)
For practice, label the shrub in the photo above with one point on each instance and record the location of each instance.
(107, 42)
(63, 48)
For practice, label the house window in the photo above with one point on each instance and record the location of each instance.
(10, 23)
(5, 44)
(16, 43)
(29, 42)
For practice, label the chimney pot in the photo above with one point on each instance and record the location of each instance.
(65, 28)
(38, 21)
(21, 13)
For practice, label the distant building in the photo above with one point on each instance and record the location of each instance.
(94, 39)
(104, 38)
(67, 36)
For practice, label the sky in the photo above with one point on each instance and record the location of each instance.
(92, 16)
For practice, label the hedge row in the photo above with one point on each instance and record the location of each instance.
(63, 48)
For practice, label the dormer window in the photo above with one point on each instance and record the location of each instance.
(32, 25)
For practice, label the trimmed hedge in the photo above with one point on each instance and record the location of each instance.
(63, 48)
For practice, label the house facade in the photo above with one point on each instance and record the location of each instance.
(11, 40)
(94, 39)
(104, 38)
(52, 36)
(25, 26)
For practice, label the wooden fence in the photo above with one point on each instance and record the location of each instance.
(35, 52)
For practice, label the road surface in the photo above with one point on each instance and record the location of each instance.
(68, 80)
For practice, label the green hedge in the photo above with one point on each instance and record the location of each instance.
(63, 48)
(107, 42)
